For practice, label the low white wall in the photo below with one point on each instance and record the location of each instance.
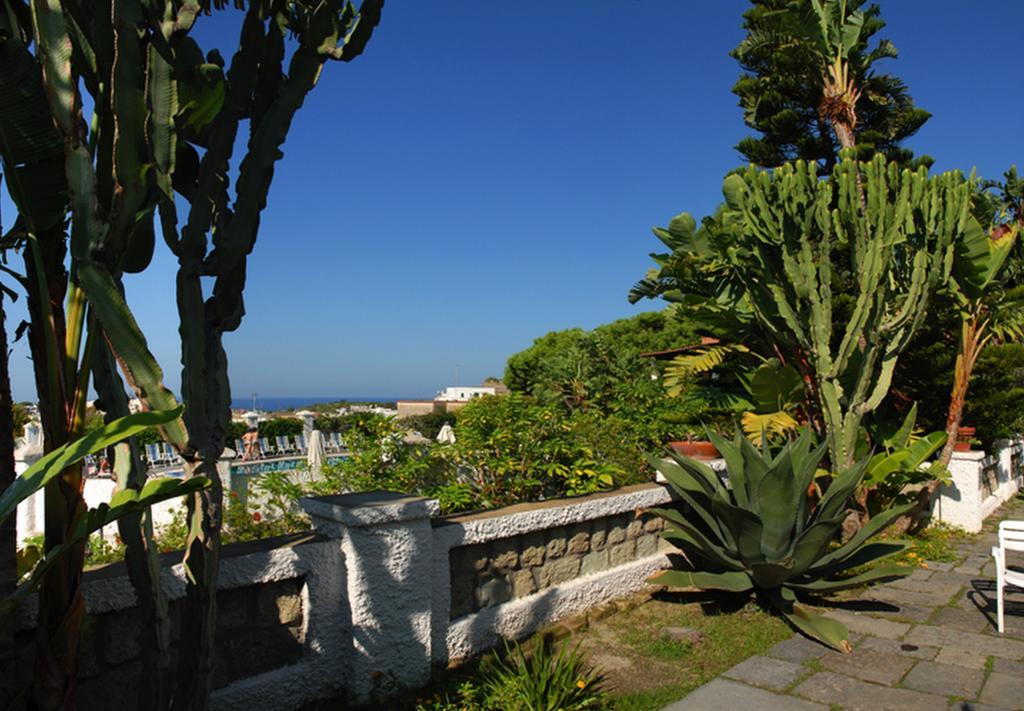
(980, 484)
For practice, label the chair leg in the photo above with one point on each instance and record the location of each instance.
(999, 604)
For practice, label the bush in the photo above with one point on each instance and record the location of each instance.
(995, 401)
(429, 425)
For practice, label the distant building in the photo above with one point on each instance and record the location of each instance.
(451, 398)
(462, 393)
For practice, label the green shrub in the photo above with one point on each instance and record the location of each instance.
(995, 402)
(547, 679)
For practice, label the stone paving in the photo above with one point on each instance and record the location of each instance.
(926, 642)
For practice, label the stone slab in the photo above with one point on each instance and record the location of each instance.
(1004, 666)
(958, 618)
(945, 679)
(989, 646)
(1006, 690)
(868, 625)
(856, 695)
(798, 649)
(960, 658)
(899, 648)
(869, 665)
(774, 674)
(726, 694)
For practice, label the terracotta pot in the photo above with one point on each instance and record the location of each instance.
(696, 449)
(964, 435)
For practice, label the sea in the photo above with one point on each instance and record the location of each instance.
(277, 404)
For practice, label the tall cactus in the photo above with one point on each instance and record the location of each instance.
(792, 228)
(157, 97)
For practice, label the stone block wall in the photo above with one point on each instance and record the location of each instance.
(492, 573)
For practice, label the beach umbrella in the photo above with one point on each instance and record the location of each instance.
(446, 435)
(315, 454)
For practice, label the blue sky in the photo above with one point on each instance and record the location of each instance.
(485, 173)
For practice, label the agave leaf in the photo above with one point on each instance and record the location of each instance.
(840, 490)
(701, 505)
(873, 527)
(813, 542)
(695, 541)
(730, 452)
(778, 498)
(701, 473)
(745, 527)
(729, 581)
(881, 574)
(868, 553)
(824, 629)
(770, 575)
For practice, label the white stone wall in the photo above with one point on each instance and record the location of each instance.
(965, 500)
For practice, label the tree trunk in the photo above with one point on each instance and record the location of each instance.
(8, 529)
(971, 343)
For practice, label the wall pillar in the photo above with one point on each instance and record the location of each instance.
(959, 502)
(387, 542)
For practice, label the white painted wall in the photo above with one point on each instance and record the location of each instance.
(963, 502)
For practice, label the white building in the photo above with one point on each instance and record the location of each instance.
(461, 393)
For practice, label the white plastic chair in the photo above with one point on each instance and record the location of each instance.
(1011, 537)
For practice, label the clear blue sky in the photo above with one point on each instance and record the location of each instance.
(487, 172)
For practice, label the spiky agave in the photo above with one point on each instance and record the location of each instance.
(760, 531)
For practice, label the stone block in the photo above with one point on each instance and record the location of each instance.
(684, 634)
(893, 646)
(116, 689)
(532, 552)
(616, 533)
(598, 534)
(523, 583)
(647, 545)
(254, 651)
(774, 674)
(958, 618)
(493, 591)
(289, 609)
(635, 528)
(726, 694)
(505, 554)
(462, 595)
(556, 544)
(558, 571)
(653, 524)
(945, 679)
(983, 645)
(118, 634)
(1005, 666)
(579, 543)
(622, 553)
(88, 657)
(855, 695)
(594, 562)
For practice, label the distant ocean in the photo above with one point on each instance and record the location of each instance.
(274, 404)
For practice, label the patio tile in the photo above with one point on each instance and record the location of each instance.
(958, 618)
(1005, 690)
(960, 658)
(899, 648)
(725, 694)
(856, 695)
(945, 679)
(798, 649)
(869, 665)
(774, 674)
(867, 625)
(974, 643)
(1005, 666)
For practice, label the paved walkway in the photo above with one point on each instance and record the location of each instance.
(926, 642)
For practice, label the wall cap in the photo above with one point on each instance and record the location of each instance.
(370, 508)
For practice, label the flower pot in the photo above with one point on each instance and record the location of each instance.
(696, 449)
(964, 435)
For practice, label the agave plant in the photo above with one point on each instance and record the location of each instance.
(760, 530)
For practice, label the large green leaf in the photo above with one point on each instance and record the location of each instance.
(123, 502)
(876, 525)
(875, 575)
(52, 464)
(774, 387)
(729, 581)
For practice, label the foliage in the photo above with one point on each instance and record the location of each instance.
(995, 405)
(512, 448)
(19, 418)
(548, 678)
(597, 369)
(780, 89)
(430, 424)
(770, 261)
(764, 533)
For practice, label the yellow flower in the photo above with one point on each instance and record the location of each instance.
(580, 683)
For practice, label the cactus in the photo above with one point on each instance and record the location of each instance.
(899, 247)
(156, 96)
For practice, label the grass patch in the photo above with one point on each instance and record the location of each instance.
(936, 543)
